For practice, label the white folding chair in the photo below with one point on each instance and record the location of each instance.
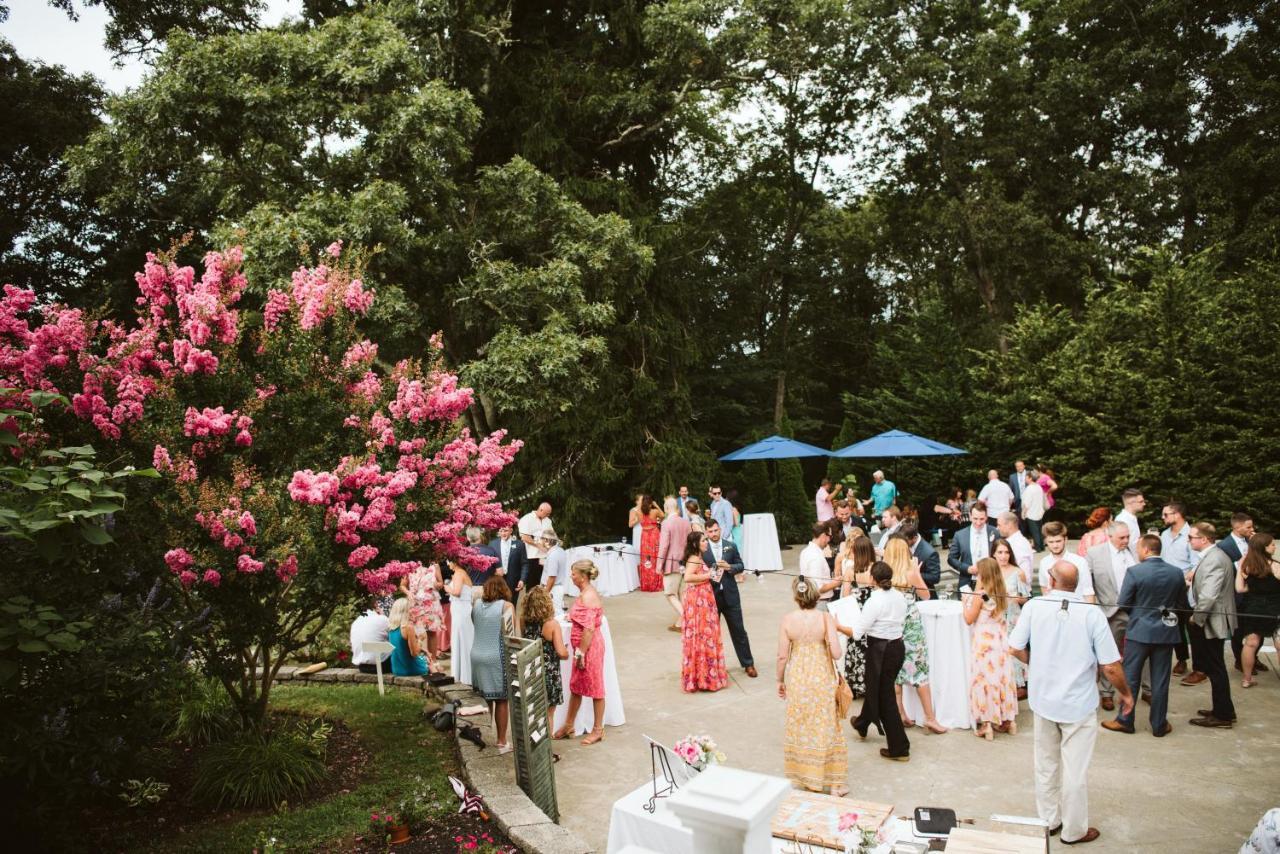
(377, 649)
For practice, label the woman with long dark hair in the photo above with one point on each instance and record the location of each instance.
(1258, 578)
(857, 557)
(881, 621)
(650, 540)
(702, 663)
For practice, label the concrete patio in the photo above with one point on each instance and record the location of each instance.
(1195, 792)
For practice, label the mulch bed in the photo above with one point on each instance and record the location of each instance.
(446, 837)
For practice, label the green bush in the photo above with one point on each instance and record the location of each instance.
(253, 770)
(204, 714)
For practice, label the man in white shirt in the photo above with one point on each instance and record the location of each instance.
(971, 545)
(1055, 540)
(1134, 503)
(813, 564)
(1062, 694)
(510, 552)
(1033, 508)
(1023, 554)
(823, 499)
(532, 525)
(369, 627)
(996, 495)
(890, 522)
(1108, 564)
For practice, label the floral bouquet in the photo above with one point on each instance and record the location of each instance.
(698, 751)
(856, 838)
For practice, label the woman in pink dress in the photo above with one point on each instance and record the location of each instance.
(1097, 530)
(1048, 481)
(702, 668)
(650, 539)
(993, 699)
(425, 611)
(586, 645)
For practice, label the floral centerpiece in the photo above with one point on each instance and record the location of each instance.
(858, 839)
(698, 751)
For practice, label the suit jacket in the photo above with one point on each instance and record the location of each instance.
(1105, 589)
(1228, 545)
(1149, 586)
(960, 556)
(1016, 482)
(514, 570)
(727, 587)
(930, 563)
(1214, 587)
(479, 577)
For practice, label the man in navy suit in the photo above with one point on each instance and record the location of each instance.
(723, 554)
(971, 544)
(1016, 482)
(510, 553)
(1151, 589)
(930, 563)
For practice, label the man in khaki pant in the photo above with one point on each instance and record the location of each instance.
(1071, 640)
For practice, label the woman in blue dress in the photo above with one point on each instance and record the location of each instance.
(493, 619)
(406, 657)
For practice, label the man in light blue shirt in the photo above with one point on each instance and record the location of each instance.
(1072, 640)
(883, 493)
(721, 510)
(1175, 540)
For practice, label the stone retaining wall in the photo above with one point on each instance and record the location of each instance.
(491, 776)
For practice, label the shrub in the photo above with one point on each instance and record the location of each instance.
(258, 770)
(204, 714)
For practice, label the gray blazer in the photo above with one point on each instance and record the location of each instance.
(1104, 584)
(1149, 586)
(1214, 589)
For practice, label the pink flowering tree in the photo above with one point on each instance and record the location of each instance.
(300, 471)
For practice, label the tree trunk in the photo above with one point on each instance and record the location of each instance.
(779, 400)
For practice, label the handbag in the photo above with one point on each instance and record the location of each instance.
(844, 697)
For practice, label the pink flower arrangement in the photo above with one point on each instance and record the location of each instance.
(698, 751)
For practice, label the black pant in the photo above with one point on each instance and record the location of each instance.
(884, 661)
(730, 607)
(1180, 649)
(532, 576)
(1211, 661)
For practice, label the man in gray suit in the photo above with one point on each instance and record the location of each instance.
(1152, 590)
(1213, 623)
(1108, 564)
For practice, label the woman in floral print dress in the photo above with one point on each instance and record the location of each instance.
(703, 667)
(993, 699)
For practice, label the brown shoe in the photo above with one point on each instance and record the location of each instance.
(1168, 728)
(1210, 722)
(1116, 726)
(1180, 668)
(1195, 677)
(1090, 836)
(751, 671)
(1108, 704)
(1146, 697)
(1208, 713)
(884, 751)
(1054, 831)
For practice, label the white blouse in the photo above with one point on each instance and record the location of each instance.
(882, 616)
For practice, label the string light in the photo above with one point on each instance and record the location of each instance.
(564, 470)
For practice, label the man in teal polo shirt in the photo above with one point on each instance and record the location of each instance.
(883, 493)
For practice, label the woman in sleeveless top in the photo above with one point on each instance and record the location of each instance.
(993, 698)
(461, 630)
(1258, 578)
(915, 666)
(586, 643)
(493, 618)
(813, 748)
(406, 657)
(1018, 591)
(702, 661)
(538, 623)
(650, 538)
(856, 558)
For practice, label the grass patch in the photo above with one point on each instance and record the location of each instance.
(402, 746)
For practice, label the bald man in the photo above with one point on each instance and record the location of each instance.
(1072, 640)
(997, 495)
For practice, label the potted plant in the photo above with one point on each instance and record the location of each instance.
(387, 827)
(412, 813)
(856, 838)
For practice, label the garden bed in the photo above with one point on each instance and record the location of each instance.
(380, 750)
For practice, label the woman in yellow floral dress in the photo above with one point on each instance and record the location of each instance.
(993, 697)
(813, 747)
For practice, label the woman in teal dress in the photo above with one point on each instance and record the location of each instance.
(406, 658)
(493, 618)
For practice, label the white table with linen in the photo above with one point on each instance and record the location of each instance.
(947, 637)
(631, 824)
(760, 549)
(613, 712)
(618, 575)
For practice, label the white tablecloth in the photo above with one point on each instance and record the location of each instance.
(618, 575)
(631, 824)
(760, 550)
(613, 713)
(947, 636)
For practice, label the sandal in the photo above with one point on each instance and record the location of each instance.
(562, 734)
(983, 731)
(1248, 683)
(840, 792)
(596, 735)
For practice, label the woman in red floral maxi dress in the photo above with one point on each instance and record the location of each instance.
(650, 537)
(703, 666)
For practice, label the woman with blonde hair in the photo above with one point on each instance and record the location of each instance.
(814, 753)
(915, 666)
(587, 676)
(539, 624)
(406, 655)
(993, 697)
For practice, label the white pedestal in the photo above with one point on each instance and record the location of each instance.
(729, 810)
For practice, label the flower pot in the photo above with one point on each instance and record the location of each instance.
(399, 833)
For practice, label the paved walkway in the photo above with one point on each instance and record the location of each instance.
(1195, 791)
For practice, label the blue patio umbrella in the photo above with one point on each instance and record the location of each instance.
(897, 443)
(775, 448)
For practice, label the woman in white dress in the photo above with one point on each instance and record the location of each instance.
(632, 555)
(462, 632)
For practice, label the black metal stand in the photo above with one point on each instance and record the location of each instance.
(658, 760)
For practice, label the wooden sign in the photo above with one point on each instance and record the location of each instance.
(814, 819)
(966, 840)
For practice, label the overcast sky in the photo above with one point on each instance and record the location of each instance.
(39, 31)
